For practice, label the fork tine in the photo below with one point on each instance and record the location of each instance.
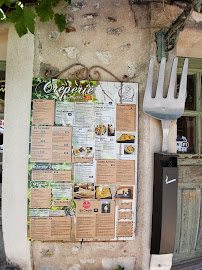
(159, 90)
(183, 81)
(173, 77)
(148, 89)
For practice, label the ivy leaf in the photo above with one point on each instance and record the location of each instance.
(5, 2)
(20, 28)
(29, 17)
(60, 21)
(55, 2)
(69, 1)
(23, 18)
(44, 10)
(18, 19)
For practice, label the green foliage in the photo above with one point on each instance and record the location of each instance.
(5, 2)
(69, 1)
(44, 10)
(60, 21)
(1, 15)
(120, 268)
(23, 17)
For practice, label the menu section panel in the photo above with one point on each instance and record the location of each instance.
(124, 229)
(50, 228)
(95, 219)
(43, 112)
(125, 117)
(40, 198)
(51, 144)
(115, 172)
(51, 175)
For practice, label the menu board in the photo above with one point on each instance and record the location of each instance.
(82, 173)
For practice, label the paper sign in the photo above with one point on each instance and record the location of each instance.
(124, 229)
(50, 228)
(40, 197)
(125, 117)
(64, 113)
(124, 215)
(115, 172)
(51, 144)
(83, 144)
(51, 175)
(125, 172)
(43, 112)
(41, 144)
(125, 205)
(95, 219)
(84, 173)
(61, 144)
(62, 191)
(105, 172)
(59, 203)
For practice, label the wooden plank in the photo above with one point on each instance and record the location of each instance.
(189, 216)
(199, 240)
(190, 174)
(194, 63)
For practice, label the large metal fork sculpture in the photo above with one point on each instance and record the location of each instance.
(169, 108)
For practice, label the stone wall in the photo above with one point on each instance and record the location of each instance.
(119, 37)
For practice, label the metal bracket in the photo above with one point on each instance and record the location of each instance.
(85, 73)
(167, 40)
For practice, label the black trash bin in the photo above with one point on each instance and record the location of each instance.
(164, 203)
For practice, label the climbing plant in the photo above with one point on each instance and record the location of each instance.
(23, 13)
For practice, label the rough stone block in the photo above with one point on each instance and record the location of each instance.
(111, 19)
(104, 56)
(75, 267)
(54, 35)
(115, 31)
(69, 18)
(131, 69)
(89, 27)
(77, 6)
(125, 47)
(90, 16)
(72, 52)
(96, 5)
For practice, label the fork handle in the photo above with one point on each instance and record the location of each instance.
(165, 129)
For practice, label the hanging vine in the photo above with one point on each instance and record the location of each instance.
(23, 13)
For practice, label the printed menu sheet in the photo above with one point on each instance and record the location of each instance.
(82, 173)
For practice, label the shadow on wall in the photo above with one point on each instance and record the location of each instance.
(7, 266)
(4, 265)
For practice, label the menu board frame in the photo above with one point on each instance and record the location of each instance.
(82, 171)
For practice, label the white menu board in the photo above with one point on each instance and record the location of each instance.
(82, 173)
